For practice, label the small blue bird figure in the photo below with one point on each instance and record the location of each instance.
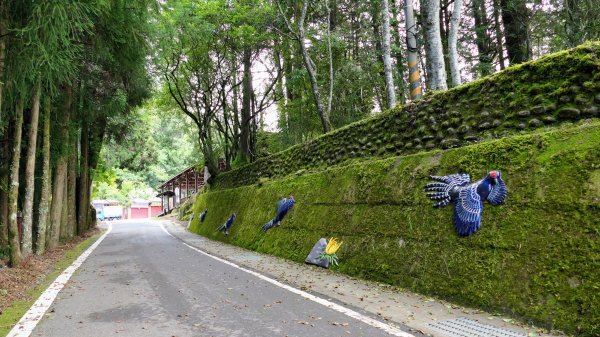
(283, 206)
(227, 225)
(203, 215)
(468, 199)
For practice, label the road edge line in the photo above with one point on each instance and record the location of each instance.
(339, 308)
(34, 315)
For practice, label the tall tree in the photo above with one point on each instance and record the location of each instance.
(13, 195)
(246, 148)
(499, 34)
(4, 25)
(27, 240)
(299, 35)
(515, 17)
(453, 43)
(330, 23)
(414, 75)
(397, 50)
(581, 21)
(483, 39)
(433, 45)
(43, 209)
(387, 61)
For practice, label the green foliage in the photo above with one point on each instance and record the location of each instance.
(49, 34)
(120, 184)
(332, 259)
(535, 256)
(357, 80)
(152, 146)
(199, 48)
(554, 90)
(268, 143)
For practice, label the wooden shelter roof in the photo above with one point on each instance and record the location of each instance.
(181, 175)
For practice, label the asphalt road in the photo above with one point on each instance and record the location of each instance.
(142, 282)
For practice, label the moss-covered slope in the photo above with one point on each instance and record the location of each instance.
(544, 93)
(537, 256)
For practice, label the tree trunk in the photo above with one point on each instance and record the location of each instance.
(414, 76)
(378, 82)
(13, 196)
(4, 219)
(325, 123)
(444, 34)
(3, 38)
(236, 114)
(425, 65)
(27, 240)
(397, 52)
(4, 178)
(499, 35)
(82, 207)
(515, 17)
(387, 61)
(72, 136)
(330, 59)
(312, 73)
(72, 188)
(40, 245)
(280, 87)
(60, 174)
(206, 146)
(575, 30)
(483, 40)
(246, 151)
(64, 160)
(64, 213)
(453, 42)
(433, 47)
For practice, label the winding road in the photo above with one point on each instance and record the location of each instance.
(142, 281)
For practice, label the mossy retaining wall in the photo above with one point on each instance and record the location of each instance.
(537, 256)
(560, 87)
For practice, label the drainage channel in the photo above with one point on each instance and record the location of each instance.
(464, 327)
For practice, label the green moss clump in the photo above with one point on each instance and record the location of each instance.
(537, 256)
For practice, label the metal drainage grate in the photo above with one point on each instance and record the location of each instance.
(464, 327)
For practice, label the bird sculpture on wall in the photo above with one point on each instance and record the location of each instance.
(468, 198)
(203, 215)
(283, 206)
(227, 225)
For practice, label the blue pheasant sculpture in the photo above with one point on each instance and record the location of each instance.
(468, 198)
(227, 225)
(283, 207)
(203, 215)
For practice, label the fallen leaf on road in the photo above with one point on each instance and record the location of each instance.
(304, 322)
(339, 324)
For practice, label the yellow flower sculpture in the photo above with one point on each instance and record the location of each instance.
(329, 254)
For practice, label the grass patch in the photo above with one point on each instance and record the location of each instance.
(13, 313)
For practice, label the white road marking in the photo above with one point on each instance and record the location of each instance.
(349, 312)
(32, 317)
